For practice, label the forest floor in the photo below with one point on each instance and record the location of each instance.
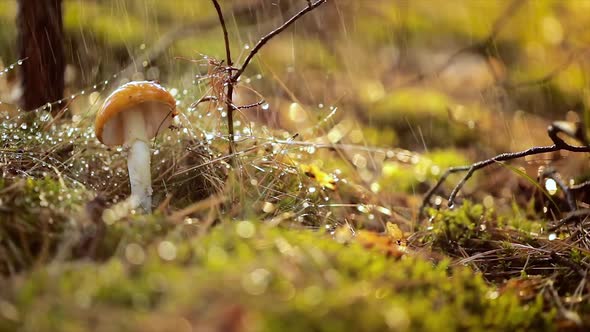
(314, 223)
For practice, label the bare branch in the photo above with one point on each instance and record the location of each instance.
(230, 83)
(225, 34)
(242, 11)
(243, 107)
(311, 6)
(559, 145)
(232, 78)
(550, 173)
(204, 99)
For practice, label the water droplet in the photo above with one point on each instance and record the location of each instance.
(265, 106)
(19, 62)
(551, 186)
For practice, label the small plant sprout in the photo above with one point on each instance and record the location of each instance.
(131, 116)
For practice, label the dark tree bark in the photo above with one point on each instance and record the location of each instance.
(41, 43)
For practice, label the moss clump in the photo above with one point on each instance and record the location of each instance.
(456, 226)
(35, 217)
(262, 279)
(400, 177)
(405, 108)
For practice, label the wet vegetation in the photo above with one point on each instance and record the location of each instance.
(315, 221)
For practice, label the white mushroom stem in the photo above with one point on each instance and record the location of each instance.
(138, 160)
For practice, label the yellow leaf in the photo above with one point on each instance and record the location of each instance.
(384, 244)
(394, 231)
(322, 178)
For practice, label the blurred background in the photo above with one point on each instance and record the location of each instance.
(464, 79)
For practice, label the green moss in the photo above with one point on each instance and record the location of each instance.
(105, 24)
(422, 116)
(176, 11)
(373, 136)
(8, 10)
(205, 44)
(402, 177)
(281, 280)
(36, 220)
(414, 101)
(456, 226)
(300, 53)
(519, 220)
(421, 23)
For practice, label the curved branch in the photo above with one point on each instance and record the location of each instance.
(311, 6)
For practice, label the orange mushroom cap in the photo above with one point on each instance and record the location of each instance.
(158, 105)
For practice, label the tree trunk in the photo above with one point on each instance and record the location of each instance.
(41, 45)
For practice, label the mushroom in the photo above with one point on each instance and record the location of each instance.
(131, 116)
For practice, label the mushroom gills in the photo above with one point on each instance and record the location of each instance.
(138, 160)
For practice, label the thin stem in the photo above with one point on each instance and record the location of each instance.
(233, 77)
(230, 118)
(311, 6)
(225, 34)
(243, 107)
(230, 82)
